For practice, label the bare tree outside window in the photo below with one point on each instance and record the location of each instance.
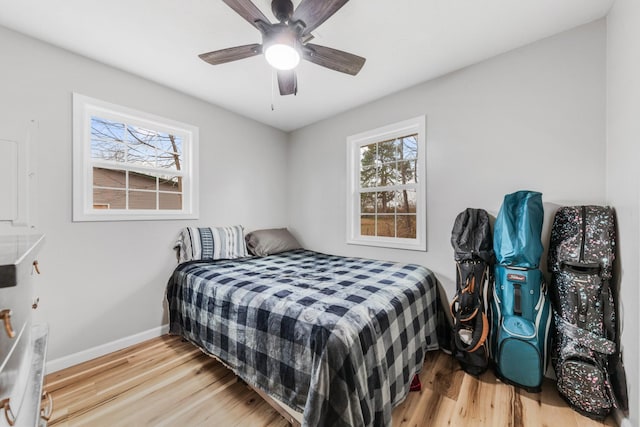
(135, 167)
(387, 198)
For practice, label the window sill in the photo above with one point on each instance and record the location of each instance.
(411, 244)
(132, 216)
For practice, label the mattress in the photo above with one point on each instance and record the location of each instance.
(336, 338)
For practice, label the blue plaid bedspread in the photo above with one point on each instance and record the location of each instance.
(338, 338)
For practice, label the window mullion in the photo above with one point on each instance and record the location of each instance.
(126, 161)
(141, 169)
(398, 187)
(126, 190)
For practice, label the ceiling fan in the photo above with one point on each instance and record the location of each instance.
(284, 43)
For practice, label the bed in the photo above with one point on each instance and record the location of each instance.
(338, 339)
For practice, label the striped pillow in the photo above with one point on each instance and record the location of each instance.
(211, 243)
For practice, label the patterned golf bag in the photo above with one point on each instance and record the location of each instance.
(520, 307)
(585, 355)
(473, 252)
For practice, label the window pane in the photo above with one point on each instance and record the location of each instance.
(169, 151)
(368, 178)
(387, 151)
(386, 162)
(409, 147)
(109, 199)
(171, 184)
(142, 200)
(406, 172)
(368, 165)
(406, 201)
(169, 143)
(386, 175)
(386, 201)
(170, 201)
(141, 135)
(141, 154)
(407, 226)
(106, 140)
(109, 178)
(171, 161)
(386, 225)
(367, 156)
(367, 225)
(368, 203)
(106, 129)
(107, 150)
(398, 147)
(142, 181)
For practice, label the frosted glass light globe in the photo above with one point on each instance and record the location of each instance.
(282, 56)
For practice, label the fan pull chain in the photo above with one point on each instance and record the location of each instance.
(273, 85)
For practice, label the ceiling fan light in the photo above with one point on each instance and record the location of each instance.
(282, 56)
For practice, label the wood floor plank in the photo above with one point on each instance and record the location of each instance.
(116, 409)
(444, 375)
(93, 390)
(74, 373)
(424, 408)
(167, 382)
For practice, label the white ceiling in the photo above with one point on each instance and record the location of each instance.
(405, 42)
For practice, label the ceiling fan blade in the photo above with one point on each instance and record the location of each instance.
(314, 12)
(231, 54)
(248, 11)
(332, 58)
(287, 82)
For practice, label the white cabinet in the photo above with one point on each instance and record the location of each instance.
(9, 180)
(22, 344)
(18, 179)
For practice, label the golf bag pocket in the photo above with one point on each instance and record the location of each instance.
(520, 321)
(519, 357)
(581, 380)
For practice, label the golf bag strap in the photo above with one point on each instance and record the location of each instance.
(608, 311)
(481, 334)
(478, 337)
(588, 339)
(457, 309)
(467, 309)
(583, 307)
(466, 301)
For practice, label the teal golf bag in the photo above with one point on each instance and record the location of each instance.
(520, 309)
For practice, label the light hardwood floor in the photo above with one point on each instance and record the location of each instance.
(168, 382)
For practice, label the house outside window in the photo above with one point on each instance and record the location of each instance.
(131, 165)
(386, 194)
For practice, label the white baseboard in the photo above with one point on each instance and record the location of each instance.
(621, 420)
(101, 350)
(625, 423)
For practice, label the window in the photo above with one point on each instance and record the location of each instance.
(131, 165)
(386, 198)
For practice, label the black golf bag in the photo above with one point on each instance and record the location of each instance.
(586, 354)
(473, 252)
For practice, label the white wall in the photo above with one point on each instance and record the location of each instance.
(623, 155)
(104, 281)
(533, 118)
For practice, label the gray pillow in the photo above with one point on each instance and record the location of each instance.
(271, 241)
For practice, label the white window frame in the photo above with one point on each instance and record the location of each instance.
(354, 143)
(84, 108)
